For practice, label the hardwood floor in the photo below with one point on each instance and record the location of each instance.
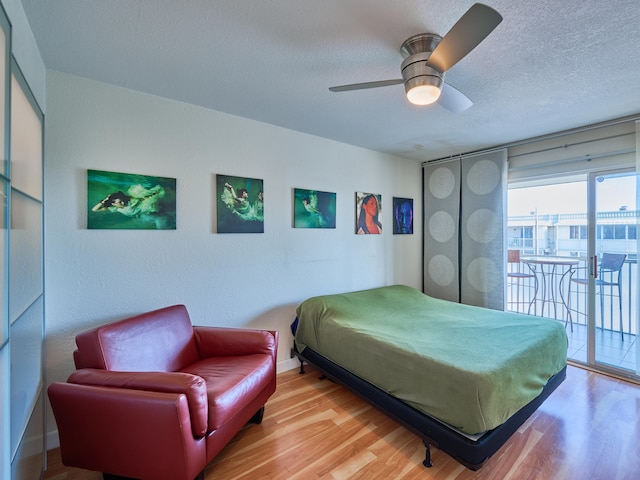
(589, 428)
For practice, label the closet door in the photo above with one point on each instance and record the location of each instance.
(26, 281)
(5, 362)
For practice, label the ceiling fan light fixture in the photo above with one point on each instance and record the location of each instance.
(423, 90)
(423, 94)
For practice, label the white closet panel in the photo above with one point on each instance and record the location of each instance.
(26, 144)
(25, 256)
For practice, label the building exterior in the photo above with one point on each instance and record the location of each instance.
(566, 234)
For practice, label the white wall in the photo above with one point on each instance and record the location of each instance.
(241, 280)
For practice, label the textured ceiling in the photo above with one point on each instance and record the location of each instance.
(549, 66)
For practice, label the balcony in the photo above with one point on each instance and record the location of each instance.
(566, 301)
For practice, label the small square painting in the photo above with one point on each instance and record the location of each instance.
(240, 204)
(314, 209)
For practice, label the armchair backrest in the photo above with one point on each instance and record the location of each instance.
(162, 341)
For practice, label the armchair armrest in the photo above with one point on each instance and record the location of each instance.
(218, 342)
(192, 386)
(109, 430)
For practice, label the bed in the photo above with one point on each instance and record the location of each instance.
(462, 378)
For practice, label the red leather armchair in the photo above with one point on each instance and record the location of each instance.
(154, 397)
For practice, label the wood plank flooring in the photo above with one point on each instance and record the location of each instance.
(589, 428)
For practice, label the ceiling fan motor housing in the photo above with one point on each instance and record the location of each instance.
(417, 71)
(415, 68)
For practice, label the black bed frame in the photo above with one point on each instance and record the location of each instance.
(470, 453)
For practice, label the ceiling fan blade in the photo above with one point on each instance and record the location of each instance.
(453, 99)
(473, 27)
(362, 86)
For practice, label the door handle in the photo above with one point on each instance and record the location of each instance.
(593, 267)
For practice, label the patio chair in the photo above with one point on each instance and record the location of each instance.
(609, 277)
(516, 276)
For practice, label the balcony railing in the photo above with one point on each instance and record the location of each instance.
(566, 300)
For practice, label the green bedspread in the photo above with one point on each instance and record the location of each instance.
(467, 366)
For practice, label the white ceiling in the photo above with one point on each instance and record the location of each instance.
(549, 66)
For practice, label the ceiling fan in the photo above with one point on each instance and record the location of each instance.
(428, 56)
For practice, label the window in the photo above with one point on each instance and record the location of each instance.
(578, 232)
(605, 232)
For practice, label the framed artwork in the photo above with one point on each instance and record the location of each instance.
(128, 201)
(240, 204)
(402, 215)
(368, 208)
(313, 209)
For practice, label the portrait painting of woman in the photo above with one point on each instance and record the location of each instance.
(368, 207)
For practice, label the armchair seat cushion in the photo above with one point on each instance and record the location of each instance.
(231, 383)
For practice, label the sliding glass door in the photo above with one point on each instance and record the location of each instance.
(613, 270)
(572, 248)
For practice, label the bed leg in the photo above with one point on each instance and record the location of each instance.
(294, 354)
(427, 461)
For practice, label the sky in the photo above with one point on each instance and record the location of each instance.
(611, 194)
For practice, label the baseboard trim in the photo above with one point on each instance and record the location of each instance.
(52, 440)
(288, 364)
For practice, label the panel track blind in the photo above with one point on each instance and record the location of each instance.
(464, 208)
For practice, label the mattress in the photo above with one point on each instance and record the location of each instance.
(467, 366)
